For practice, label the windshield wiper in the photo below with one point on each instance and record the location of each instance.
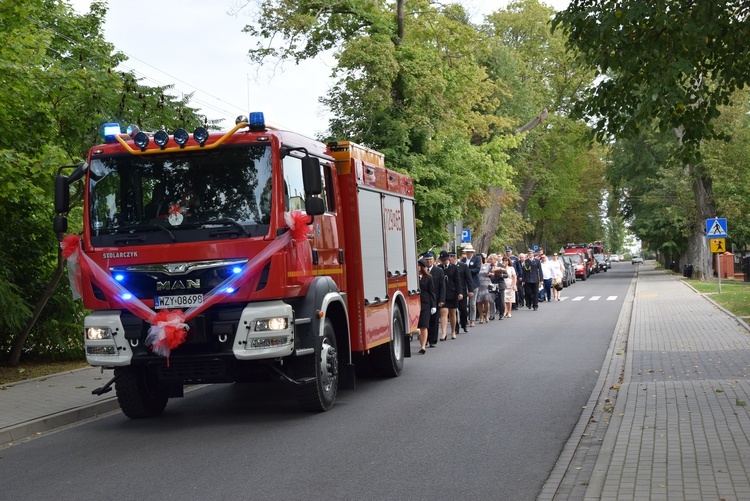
(145, 227)
(225, 222)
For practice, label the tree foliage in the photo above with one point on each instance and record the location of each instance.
(557, 177)
(59, 87)
(670, 62)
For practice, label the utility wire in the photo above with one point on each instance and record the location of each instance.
(140, 74)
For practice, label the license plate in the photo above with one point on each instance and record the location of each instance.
(182, 301)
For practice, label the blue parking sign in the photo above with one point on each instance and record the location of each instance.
(465, 236)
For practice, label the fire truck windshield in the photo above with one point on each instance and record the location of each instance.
(193, 195)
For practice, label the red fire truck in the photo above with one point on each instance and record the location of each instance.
(587, 256)
(245, 255)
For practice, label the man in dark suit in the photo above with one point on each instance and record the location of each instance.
(452, 288)
(532, 277)
(520, 292)
(438, 278)
(464, 283)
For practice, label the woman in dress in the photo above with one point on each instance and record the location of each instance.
(510, 286)
(484, 296)
(428, 303)
(558, 270)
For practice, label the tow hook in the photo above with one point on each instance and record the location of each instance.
(106, 388)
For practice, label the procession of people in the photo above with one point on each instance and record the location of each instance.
(459, 293)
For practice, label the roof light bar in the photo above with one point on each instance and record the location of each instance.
(200, 134)
(161, 138)
(181, 137)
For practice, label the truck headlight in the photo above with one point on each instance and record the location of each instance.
(271, 324)
(98, 333)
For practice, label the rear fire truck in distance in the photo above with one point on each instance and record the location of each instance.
(248, 255)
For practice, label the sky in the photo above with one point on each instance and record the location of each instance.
(200, 48)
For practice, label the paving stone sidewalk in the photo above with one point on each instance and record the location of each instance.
(677, 389)
(41, 404)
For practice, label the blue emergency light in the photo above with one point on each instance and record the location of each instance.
(109, 131)
(257, 121)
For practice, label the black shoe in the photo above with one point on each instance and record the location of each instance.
(529, 307)
(422, 351)
(432, 345)
(492, 317)
(466, 330)
(536, 308)
(443, 338)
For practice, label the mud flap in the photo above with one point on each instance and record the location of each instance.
(347, 378)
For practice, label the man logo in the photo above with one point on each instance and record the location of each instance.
(178, 285)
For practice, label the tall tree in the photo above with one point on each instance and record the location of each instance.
(533, 74)
(668, 64)
(59, 82)
(419, 96)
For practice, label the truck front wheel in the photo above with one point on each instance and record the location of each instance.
(320, 394)
(139, 393)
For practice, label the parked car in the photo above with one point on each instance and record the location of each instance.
(569, 271)
(636, 260)
(601, 262)
(581, 266)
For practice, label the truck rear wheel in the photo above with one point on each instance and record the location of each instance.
(320, 394)
(389, 358)
(138, 392)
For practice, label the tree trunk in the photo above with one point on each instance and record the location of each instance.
(491, 214)
(698, 251)
(490, 219)
(15, 352)
(400, 20)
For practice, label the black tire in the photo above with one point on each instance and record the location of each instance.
(389, 358)
(319, 394)
(138, 392)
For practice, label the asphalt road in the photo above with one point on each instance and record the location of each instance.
(482, 417)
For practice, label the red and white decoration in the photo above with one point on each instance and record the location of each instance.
(169, 328)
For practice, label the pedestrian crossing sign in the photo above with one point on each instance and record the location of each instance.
(718, 245)
(716, 227)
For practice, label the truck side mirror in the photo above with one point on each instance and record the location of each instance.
(60, 225)
(314, 206)
(311, 176)
(62, 194)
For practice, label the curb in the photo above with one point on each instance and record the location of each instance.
(582, 463)
(37, 426)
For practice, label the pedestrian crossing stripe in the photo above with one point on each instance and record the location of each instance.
(592, 298)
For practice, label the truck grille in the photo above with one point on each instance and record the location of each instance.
(148, 281)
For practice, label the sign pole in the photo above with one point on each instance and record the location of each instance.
(718, 269)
